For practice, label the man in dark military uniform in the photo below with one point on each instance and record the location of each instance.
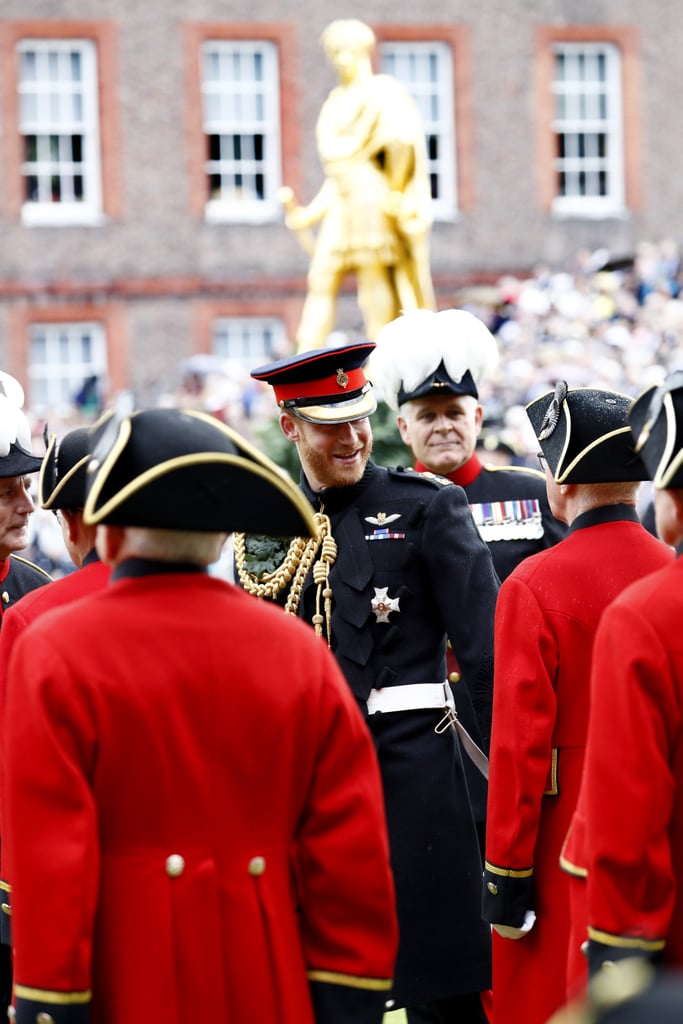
(428, 367)
(17, 575)
(404, 569)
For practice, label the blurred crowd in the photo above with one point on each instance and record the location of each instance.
(608, 320)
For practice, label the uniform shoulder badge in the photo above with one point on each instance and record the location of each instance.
(526, 470)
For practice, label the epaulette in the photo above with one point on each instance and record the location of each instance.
(425, 475)
(32, 565)
(490, 468)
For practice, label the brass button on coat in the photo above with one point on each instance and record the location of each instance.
(175, 865)
(257, 865)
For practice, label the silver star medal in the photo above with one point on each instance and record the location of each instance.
(382, 605)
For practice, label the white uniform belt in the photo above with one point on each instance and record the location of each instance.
(411, 697)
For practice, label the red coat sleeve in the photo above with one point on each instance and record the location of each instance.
(524, 707)
(635, 721)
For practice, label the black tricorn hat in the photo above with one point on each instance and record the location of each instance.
(656, 421)
(584, 435)
(181, 469)
(326, 385)
(61, 483)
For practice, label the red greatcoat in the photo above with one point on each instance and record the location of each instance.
(194, 814)
(547, 613)
(93, 576)
(633, 783)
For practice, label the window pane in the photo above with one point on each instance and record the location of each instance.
(587, 121)
(240, 88)
(426, 71)
(58, 118)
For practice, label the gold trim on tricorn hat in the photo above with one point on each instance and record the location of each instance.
(584, 435)
(61, 483)
(656, 421)
(181, 469)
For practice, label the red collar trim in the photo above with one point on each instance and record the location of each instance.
(4, 568)
(462, 476)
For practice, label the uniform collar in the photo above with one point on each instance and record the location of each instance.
(604, 514)
(463, 475)
(334, 499)
(133, 568)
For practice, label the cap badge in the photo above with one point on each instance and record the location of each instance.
(552, 416)
(383, 605)
(342, 378)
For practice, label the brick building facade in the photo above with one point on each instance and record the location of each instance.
(142, 145)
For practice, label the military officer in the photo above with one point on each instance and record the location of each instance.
(429, 367)
(189, 788)
(405, 569)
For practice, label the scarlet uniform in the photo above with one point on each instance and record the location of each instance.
(189, 878)
(634, 775)
(93, 576)
(540, 717)
(195, 823)
(547, 614)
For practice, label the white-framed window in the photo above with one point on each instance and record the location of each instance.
(247, 341)
(588, 129)
(67, 366)
(241, 123)
(426, 70)
(59, 126)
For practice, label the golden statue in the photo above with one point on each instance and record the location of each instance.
(374, 208)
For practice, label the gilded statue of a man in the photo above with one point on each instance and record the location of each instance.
(374, 208)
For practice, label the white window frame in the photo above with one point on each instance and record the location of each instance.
(247, 341)
(46, 110)
(229, 108)
(426, 70)
(63, 370)
(592, 109)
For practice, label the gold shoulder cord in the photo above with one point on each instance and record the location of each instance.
(294, 569)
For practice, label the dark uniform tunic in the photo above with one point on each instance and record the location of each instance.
(18, 576)
(412, 539)
(511, 511)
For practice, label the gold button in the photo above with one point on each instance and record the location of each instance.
(11, 1014)
(6, 909)
(5, 597)
(492, 888)
(45, 1018)
(175, 865)
(454, 677)
(257, 865)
